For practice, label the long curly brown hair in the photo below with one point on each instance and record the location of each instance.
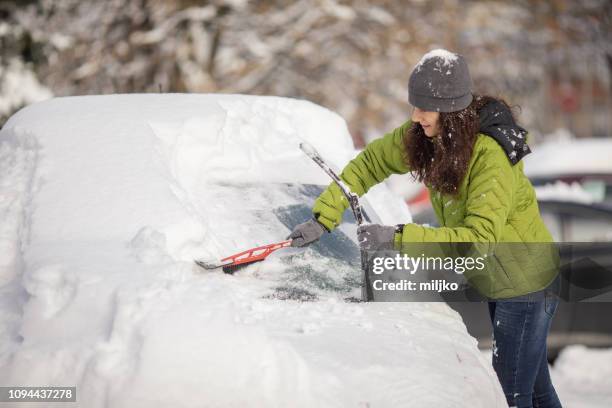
(442, 161)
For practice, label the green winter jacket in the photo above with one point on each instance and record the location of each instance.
(495, 206)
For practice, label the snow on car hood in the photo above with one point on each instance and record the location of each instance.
(105, 202)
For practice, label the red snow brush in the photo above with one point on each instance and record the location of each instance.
(234, 262)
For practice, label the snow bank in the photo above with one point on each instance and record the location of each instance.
(583, 377)
(104, 203)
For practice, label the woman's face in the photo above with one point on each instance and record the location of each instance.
(428, 120)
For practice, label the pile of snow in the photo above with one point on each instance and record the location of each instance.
(560, 191)
(567, 157)
(583, 377)
(104, 204)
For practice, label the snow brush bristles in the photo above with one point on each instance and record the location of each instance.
(237, 261)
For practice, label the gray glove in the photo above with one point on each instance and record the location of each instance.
(306, 233)
(375, 236)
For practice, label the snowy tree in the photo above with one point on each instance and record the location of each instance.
(352, 56)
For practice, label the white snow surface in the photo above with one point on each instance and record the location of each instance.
(570, 156)
(583, 377)
(19, 86)
(104, 203)
(562, 191)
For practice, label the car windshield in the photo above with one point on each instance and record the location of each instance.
(258, 214)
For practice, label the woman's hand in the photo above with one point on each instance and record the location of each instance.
(375, 236)
(306, 233)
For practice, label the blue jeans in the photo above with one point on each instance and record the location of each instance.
(520, 328)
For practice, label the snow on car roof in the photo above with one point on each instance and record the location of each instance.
(566, 157)
(240, 132)
(106, 155)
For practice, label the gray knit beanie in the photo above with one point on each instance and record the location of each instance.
(440, 82)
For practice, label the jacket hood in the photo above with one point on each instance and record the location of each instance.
(497, 122)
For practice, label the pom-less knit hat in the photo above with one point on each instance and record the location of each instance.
(440, 82)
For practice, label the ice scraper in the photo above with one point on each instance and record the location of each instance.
(353, 199)
(233, 262)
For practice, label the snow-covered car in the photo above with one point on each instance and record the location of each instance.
(105, 201)
(578, 170)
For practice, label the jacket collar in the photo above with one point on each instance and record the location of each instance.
(497, 122)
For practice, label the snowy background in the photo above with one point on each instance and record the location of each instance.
(553, 57)
(97, 287)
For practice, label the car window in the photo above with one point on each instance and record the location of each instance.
(332, 264)
(267, 212)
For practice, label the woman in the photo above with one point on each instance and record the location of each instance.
(467, 149)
